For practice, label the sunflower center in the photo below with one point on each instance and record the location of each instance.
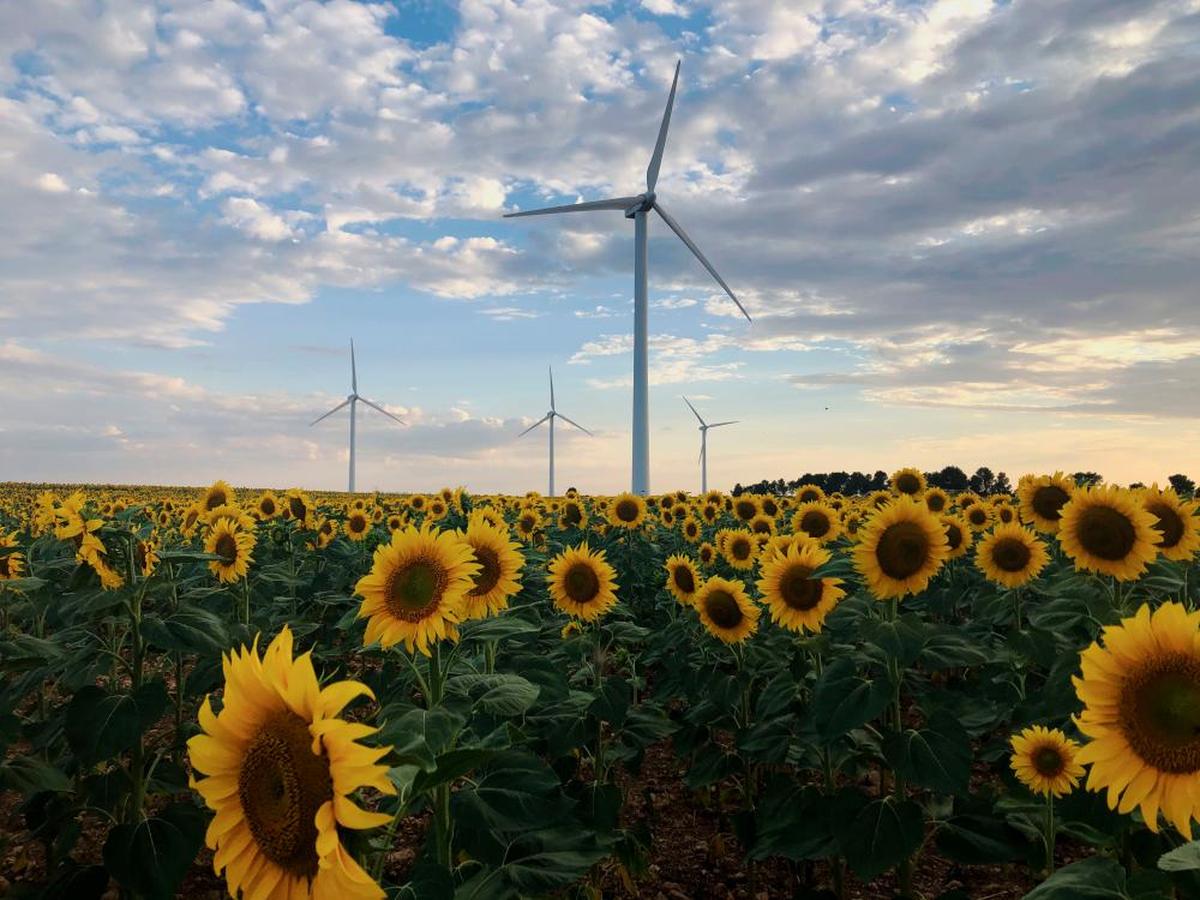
(815, 523)
(627, 511)
(1048, 762)
(935, 502)
(281, 786)
(226, 548)
(357, 524)
(977, 515)
(1106, 533)
(770, 508)
(746, 510)
(739, 549)
(798, 590)
(908, 483)
(581, 583)
(215, 499)
(1169, 523)
(1049, 500)
(416, 590)
(1159, 713)
(1010, 554)
(684, 580)
(488, 575)
(722, 607)
(903, 550)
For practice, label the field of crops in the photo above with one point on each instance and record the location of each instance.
(208, 692)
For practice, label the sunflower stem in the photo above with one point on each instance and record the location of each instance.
(1050, 833)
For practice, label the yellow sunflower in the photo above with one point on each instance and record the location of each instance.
(233, 545)
(298, 508)
(901, 549)
(499, 575)
(145, 556)
(762, 524)
(280, 768)
(1175, 520)
(739, 549)
(809, 493)
(908, 481)
(357, 526)
(726, 611)
(690, 529)
(706, 553)
(682, 578)
(1011, 556)
(572, 515)
(936, 500)
(978, 516)
(528, 523)
(12, 565)
(627, 511)
(1107, 530)
(818, 520)
(746, 507)
(1045, 761)
(1042, 499)
(268, 506)
(1141, 696)
(416, 589)
(796, 600)
(219, 494)
(958, 536)
(582, 583)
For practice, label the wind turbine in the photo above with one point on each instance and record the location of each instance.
(704, 426)
(637, 208)
(550, 417)
(351, 400)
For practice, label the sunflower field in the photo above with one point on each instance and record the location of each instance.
(909, 693)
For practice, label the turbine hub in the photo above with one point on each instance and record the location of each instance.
(645, 204)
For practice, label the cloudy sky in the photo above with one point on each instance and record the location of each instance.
(968, 232)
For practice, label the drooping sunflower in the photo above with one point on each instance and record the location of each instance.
(958, 536)
(416, 589)
(299, 508)
(1011, 555)
(1141, 696)
(908, 481)
(852, 524)
(1175, 521)
(582, 583)
(817, 520)
(796, 600)
(217, 494)
(234, 545)
(727, 613)
(357, 526)
(1043, 498)
(1107, 530)
(499, 575)
(902, 547)
(326, 531)
(682, 578)
(627, 511)
(739, 549)
(280, 768)
(936, 500)
(1045, 761)
(191, 520)
(268, 506)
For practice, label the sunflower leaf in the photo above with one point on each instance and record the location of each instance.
(151, 857)
(844, 700)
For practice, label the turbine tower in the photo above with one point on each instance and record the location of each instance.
(352, 399)
(637, 208)
(704, 426)
(550, 417)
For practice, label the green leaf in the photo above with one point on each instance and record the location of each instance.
(980, 840)
(843, 699)
(188, 630)
(937, 756)
(26, 584)
(499, 628)
(901, 640)
(793, 822)
(875, 835)
(612, 700)
(419, 736)
(949, 650)
(151, 858)
(1181, 859)
(99, 725)
(1089, 879)
(502, 695)
(30, 774)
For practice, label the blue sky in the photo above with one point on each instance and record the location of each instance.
(967, 228)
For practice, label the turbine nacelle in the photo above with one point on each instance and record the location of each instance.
(644, 205)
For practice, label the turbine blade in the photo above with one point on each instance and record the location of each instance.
(719, 424)
(693, 409)
(621, 203)
(678, 229)
(533, 426)
(656, 159)
(331, 412)
(576, 424)
(378, 408)
(551, 388)
(353, 370)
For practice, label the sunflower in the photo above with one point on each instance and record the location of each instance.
(582, 583)
(1011, 556)
(809, 493)
(958, 536)
(12, 565)
(627, 510)
(852, 524)
(762, 524)
(527, 525)
(499, 575)
(1175, 521)
(908, 481)
(1004, 513)
(145, 556)
(725, 610)
(690, 529)
(706, 553)
(572, 515)
(818, 520)
(395, 522)
(666, 517)
(710, 512)
(416, 589)
(796, 600)
(233, 545)
(488, 515)
(902, 547)
(936, 500)
(299, 508)
(416, 503)
(357, 526)
(219, 494)
(966, 499)
(280, 768)
(1044, 760)
(1141, 696)
(739, 548)
(1107, 530)
(682, 578)
(746, 507)
(191, 519)
(1042, 500)
(978, 516)
(268, 506)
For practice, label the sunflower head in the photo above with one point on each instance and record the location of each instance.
(1108, 530)
(682, 578)
(233, 545)
(725, 610)
(706, 553)
(817, 520)
(1042, 499)
(746, 507)
(267, 507)
(936, 500)
(219, 493)
(958, 536)
(1011, 556)
(809, 493)
(908, 481)
(739, 549)
(627, 511)
(797, 600)
(358, 525)
(1044, 760)
(582, 583)
(1175, 520)
(499, 575)
(901, 549)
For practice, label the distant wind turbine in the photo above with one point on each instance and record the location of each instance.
(704, 426)
(351, 400)
(636, 208)
(550, 417)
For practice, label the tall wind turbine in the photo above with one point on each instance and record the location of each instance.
(550, 417)
(352, 399)
(704, 426)
(637, 208)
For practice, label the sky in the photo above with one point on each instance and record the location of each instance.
(967, 232)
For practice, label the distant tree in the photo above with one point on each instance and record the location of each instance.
(737, 489)
(1137, 485)
(857, 483)
(1087, 479)
(1002, 485)
(1183, 485)
(983, 480)
(952, 478)
(836, 481)
(880, 480)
